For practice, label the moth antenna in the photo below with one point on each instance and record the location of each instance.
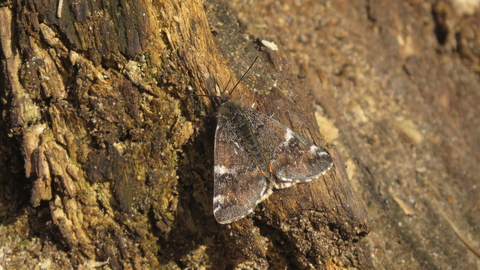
(241, 78)
(213, 96)
(229, 80)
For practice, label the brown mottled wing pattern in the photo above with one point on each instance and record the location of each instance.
(292, 158)
(253, 154)
(239, 184)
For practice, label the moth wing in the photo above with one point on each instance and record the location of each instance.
(292, 158)
(239, 185)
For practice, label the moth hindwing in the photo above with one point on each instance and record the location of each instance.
(254, 154)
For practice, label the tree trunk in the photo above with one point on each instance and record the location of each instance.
(107, 149)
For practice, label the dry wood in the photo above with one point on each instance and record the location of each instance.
(117, 166)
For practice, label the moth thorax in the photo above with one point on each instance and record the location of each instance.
(230, 110)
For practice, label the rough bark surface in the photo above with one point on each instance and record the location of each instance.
(104, 163)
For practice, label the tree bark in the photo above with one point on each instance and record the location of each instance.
(103, 133)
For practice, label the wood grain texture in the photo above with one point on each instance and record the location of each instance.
(104, 163)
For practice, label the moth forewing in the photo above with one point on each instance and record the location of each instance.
(253, 154)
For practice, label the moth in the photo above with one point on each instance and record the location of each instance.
(254, 154)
